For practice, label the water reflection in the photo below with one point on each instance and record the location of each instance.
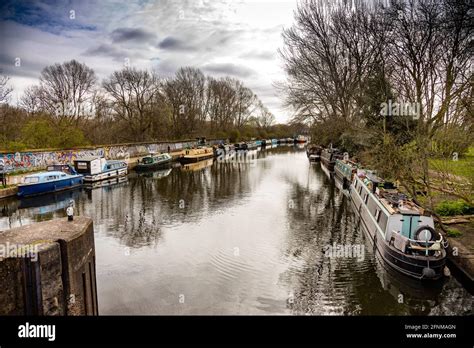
(235, 237)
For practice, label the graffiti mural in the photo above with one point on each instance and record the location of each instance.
(37, 160)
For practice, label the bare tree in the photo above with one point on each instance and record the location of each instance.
(186, 93)
(133, 92)
(65, 89)
(265, 118)
(5, 90)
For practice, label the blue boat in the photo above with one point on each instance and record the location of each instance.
(57, 178)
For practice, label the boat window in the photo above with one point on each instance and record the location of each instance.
(409, 225)
(382, 220)
(31, 180)
(377, 215)
(52, 177)
(366, 198)
(360, 190)
(372, 206)
(63, 175)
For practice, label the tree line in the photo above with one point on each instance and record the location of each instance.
(346, 62)
(69, 107)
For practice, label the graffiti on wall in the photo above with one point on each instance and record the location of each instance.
(37, 160)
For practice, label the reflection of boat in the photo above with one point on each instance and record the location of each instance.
(98, 168)
(106, 183)
(50, 203)
(198, 166)
(153, 161)
(157, 174)
(57, 178)
(327, 172)
(196, 155)
(314, 153)
(403, 235)
(399, 284)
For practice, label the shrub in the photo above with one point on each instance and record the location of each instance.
(453, 232)
(449, 208)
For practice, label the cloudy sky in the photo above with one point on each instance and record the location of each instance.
(221, 37)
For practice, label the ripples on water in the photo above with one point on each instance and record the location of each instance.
(229, 238)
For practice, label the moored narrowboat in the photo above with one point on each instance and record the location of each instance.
(153, 161)
(98, 168)
(57, 178)
(314, 153)
(196, 155)
(403, 234)
(329, 156)
(300, 139)
(345, 171)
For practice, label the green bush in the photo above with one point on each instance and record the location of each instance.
(234, 136)
(42, 133)
(453, 232)
(450, 208)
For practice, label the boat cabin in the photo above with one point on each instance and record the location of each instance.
(44, 177)
(391, 210)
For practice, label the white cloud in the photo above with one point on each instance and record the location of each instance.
(240, 38)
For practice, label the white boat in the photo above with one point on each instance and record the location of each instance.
(99, 168)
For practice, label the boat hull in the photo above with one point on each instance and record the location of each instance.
(146, 167)
(48, 187)
(410, 265)
(106, 175)
(194, 159)
(328, 164)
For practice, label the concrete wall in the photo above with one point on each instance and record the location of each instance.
(48, 268)
(40, 159)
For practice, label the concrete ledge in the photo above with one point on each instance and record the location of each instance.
(8, 192)
(49, 269)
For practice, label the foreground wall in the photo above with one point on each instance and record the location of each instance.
(40, 159)
(48, 268)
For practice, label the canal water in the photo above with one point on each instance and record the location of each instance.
(242, 236)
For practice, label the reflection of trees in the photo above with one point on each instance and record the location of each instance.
(133, 212)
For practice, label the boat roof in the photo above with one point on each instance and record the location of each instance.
(87, 158)
(45, 174)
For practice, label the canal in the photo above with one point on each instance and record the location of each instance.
(237, 237)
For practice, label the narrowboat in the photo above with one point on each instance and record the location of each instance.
(402, 233)
(98, 168)
(314, 153)
(329, 156)
(252, 145)
(345, 171)
(196, 155)
(244, 146)
(56, 178)
(153, 161)
(300, 139)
